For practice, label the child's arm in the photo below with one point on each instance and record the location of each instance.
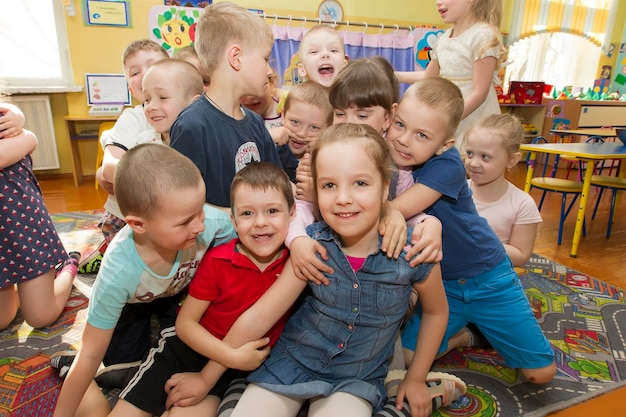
(190, 331)
(251, 325)
(112, 155)
(13, 149)
(482, 83)
(409, 77)
(83, 370)
(306, 265)
(11, 120)
(433, 324)
(410, 203)
(521, 243)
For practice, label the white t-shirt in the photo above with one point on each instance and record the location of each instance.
(131, 129)
(514, 207)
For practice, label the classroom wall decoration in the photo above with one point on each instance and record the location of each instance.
(406, 50)
(173, 27)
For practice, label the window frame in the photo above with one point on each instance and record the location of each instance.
(63, 83)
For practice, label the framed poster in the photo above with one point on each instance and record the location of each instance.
(107, 89)
(107, 13)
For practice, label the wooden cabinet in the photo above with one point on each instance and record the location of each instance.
(527, 113)
(583, 114)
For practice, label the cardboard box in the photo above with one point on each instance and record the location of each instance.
(526, 92)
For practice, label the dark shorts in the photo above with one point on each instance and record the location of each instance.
(146, 390)
(133, 335)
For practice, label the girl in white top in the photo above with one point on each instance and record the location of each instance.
(467, 54)
(492, 148)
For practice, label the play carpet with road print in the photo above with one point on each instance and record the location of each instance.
(584, 319)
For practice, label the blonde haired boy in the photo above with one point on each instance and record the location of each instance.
(215, 131)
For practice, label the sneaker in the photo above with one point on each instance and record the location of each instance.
(478, 338)
(62, 361)
(116, 376)
(91, 264)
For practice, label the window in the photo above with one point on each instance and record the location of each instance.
(34, 40)
(560, 59)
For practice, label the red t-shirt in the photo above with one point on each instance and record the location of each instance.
(233, 283)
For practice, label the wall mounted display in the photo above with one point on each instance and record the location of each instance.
(107, 13)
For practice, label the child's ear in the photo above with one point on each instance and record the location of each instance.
(301, 70)
(515, 158)
(292, 212)
(234, 57)
(389, 117)
(137, 223)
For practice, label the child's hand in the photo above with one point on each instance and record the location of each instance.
(251, 355)
(427, 239)
(185, 389)
(393, 229)
(280, 135)
(418, 397)
(304, 179)
(11, 121)
(306, 265)
(106, 185)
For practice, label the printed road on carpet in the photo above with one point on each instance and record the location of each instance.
(584, 319)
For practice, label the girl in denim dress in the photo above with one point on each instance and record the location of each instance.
(335, 348)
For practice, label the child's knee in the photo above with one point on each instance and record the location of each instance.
(540, 375)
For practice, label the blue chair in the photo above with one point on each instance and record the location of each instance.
(614, 184)
(549, 183)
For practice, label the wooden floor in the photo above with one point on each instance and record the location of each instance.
(597, 256)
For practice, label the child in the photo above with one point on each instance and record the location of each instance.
(230, 278)
(130, 129)
(334, 349)
(189, 54)
(148, 265)
(37, 274)
(492, 147)
(306, 114)
(481, 286)
(322, 55)
(216, 132)
(468, 54)
(366, 91)
(168, 87)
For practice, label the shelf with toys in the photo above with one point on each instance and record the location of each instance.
(523, 100)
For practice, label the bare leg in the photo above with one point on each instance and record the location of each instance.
(10, 303)
(42, 299)
(94, 403)
(125, 409)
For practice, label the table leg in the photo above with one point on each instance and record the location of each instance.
(580, 217)
(532, 160)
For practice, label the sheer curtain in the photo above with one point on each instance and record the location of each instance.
(559, 59)
(589, 18)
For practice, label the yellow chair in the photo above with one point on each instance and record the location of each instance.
(607, 182)
(549, 183)
(104, 126)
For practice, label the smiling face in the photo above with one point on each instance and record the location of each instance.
(164, 98)
(322, 56)
(487, 161)
(451, 11)
(305, 122)
(261, 219)
(416, 136)
(350, 193)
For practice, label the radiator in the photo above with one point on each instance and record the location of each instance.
(36, 109)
